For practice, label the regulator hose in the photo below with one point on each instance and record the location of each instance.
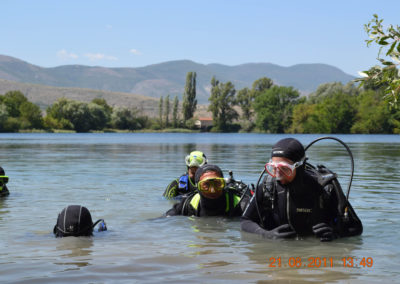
(350, 154)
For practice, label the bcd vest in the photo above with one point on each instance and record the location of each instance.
(303, 213)
(232, 200)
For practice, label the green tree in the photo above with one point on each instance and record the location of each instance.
(262, 84)
(99, 116)
(328, 90)
(244, 100)
(128, 118)
(394, 120)
(21, 113)
(175, 112)
(30, 116)
(3, 116)
(222, 102)
(302, 121)
(80, 116)
(13, 100)
(189, 97)
(56, 117)
(103, 103)
(160, 111)
(167, 110)
(335, 114)
(388, 75)
(274, 107)
(373, 114)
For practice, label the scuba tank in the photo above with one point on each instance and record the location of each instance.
(239, 188)
(347, 222)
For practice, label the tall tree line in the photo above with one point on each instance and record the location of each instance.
(189, 97)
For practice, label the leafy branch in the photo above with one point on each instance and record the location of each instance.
(386, 76)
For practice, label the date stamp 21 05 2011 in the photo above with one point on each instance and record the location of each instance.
(317, 262)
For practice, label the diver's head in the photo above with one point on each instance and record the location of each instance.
(210, 181)
(74, 220)
(193, 161)
(286, 156)
(3, 178)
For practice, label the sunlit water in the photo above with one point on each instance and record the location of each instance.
(121, 177)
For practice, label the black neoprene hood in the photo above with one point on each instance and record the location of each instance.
(207, 168)
(289, 148)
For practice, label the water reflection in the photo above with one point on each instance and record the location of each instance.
(3, 208)
(302, 260)
(76, 252)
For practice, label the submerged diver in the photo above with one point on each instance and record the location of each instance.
(185, 183)
(214, 197)
(76, 221)
(290, 201)
(3, 181)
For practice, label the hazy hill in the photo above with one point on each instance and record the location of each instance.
(46, 95)
(169, 77)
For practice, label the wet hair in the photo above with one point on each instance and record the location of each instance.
(207, 168)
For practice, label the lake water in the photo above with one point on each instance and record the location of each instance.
(121, 177)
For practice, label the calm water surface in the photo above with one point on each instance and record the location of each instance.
(121, 177)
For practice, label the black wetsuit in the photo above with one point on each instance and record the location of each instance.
(302, 204)
(228, 204)
(180, 186)
(4, 191)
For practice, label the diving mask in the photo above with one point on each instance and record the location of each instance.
(217, 184)
(195, 159)
(276, 169)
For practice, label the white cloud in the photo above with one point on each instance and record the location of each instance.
(99, 56)
(64, 55)
(135, 51)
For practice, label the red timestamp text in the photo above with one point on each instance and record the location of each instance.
(317, 262)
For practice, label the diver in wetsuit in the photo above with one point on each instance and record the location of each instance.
(213, 198)
(185, 184)
(291, 202)
(3, 181)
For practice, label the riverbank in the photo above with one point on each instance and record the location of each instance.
(166, 130)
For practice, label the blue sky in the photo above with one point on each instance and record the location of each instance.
(139, 33)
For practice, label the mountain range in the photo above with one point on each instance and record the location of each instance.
(166, 78)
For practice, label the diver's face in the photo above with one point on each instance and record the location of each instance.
(192, 172)
(282, 174)
(211, 184)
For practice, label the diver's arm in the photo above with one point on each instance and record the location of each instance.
(177, 208)
(283, 231)
(250, 221)
(250, 226)
(172, 189)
